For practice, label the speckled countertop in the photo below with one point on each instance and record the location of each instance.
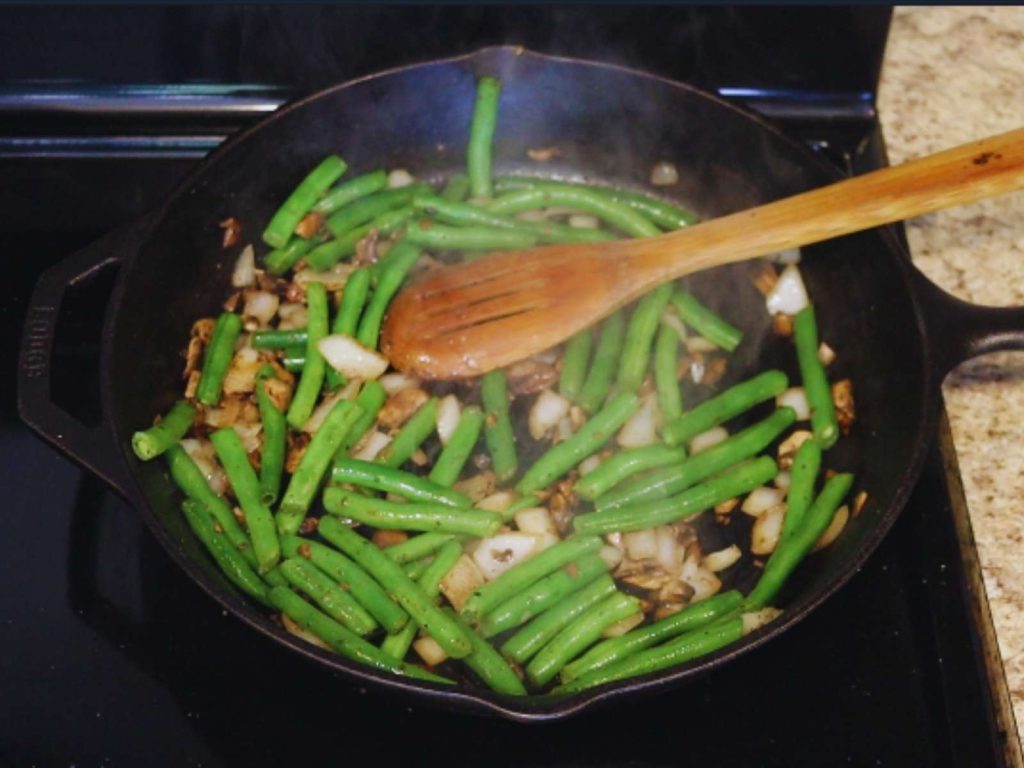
(952, 75)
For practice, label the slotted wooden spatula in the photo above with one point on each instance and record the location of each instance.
(465, 320)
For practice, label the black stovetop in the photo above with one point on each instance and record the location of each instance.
(113, 657)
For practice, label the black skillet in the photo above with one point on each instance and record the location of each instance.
(896, 334)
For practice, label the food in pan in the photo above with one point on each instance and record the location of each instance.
(539, 526)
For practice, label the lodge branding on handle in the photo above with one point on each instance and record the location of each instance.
(39, 324)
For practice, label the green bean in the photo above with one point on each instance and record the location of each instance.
(246, 488)
(790, 552)
(649, 514)
(663, 214)
(518, 577)
(278, 339)
(345, 244)
(411, 436)
(275, 433)
(588, 440)
(302, 199)
(343, 194)
(402, 256)
(340, 638)
(734, 401)
(370, 400)
(602, 368)
(643, 324)
(674, 478)
(294, 364)
(217, 360)
(489, 665)
(615, 649)
(705, 322)
(580, 634)
(353, 298)
(405, 591)
(574, 364)
(415, 570)
(692, 645)
(313, 465)
(542, 595)
(816, 387)
(397, 644)
(666, 373)
(481, 136)
(227, 557)
(189, 478)
(525, 643)
(353, 579)
(280, 260)
(418, 547)
(395, 516)
(312, 378)
(368, 474)
(498, 433)
(622, 465)
(368, 208)
(449, 464)
(150, 443)
(800, 493)
(456, 189)
(584, 199)
(429, 234)
(332, 599)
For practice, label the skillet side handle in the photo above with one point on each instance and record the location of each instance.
(958, 330)
(93, 447)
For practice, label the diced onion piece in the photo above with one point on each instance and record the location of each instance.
(241, 375)
(249, 435)
(757, 619)
(497, 502)
(664, 174)
(564, 430)
(722, 559)
(704, 582)
(642, 427)
(399, 178)
(316, 418)
(670, 554)
(825, 353)
(371, 445)
(590, 463)
(448, 412)
(293, 315)
(623, 626)
(641, 545)
(332, 279)
(708, 439)
(699, 344)
(205, 457)
(295, 629)
(350, 358)
(672, 320)
(429, 650)
(396, 382)
(261, 306)
(764, 536)
(781, 480)
(244, 273)
(477, 487)
(461, 581)
(612, 556)
(584, 221)
(789, 295)
(535, 520)
(545, 540)
(788, 256)
(548, 409)
(761, 500)
(534, 215)
(497, 554)
(795, 398)
(834, 528)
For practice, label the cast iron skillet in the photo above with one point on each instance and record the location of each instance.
(897, 335)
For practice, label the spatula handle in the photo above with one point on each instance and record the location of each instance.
(957, 176)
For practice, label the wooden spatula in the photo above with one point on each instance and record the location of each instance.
(465, 320)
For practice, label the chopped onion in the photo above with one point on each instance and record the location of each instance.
(795, 398)
(293, 315)
(396, 382)
(764, 536)
(612, 556)
(477, 487)
(497, 502)
(241, 376)
(782, 480)
(564, 430)
(461, 581)
(399, 178)
(295, 629)
(350, 358)
(535, 520)
(757, 619)
(497, 554)
(623, 626)
(448, 412)
(249, 435)
(244, 273)
(545, 540)
(332, 279)
(535, 215)
(672, 320)
(704, 582)
(834, 528)
(371, 445)
(761, 500)
(205, 457)
(548, 409)
(708, 439)
(590, 463)
(664, 174)
(789, 295)
(722, 559)
(697, 370)
(316, 418)
(699, 344)
(261, 306)
(670, 554)
(429, 650)
(584, 221)
(642, 427)
(641, 545)
(826, 354)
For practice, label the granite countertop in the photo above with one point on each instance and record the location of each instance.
(952, 75)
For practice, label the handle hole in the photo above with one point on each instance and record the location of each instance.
(74, 362)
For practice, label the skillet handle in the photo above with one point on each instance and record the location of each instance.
(958, 330)
(94, 447)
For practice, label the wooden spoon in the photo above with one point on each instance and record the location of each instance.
(465, 320)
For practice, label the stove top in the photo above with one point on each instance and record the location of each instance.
(113, 657)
